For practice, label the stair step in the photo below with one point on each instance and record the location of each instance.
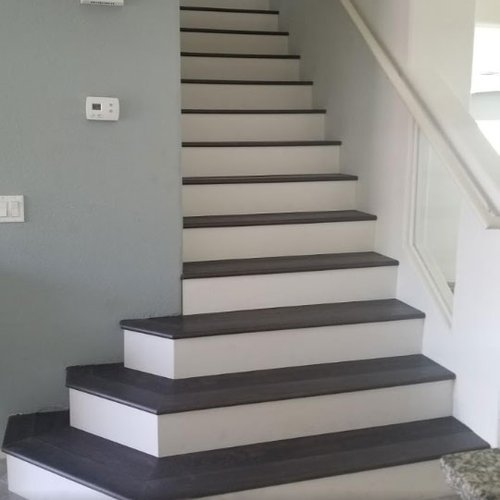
(162, 396)
(236, 11)
(217, 221)
(281, 318)
(47, 441)
(233, 41)
(266, 179)
(239, 55)
(278, 265)
(253, 111)
(234, 32)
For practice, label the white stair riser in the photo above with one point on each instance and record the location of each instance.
(228, 4)
(275, 241)
(202, 430)
(229, 68)
(35, 483)
(238, 293)
(419, 481)
(216, 355)
(224, 43)
(268, 198)
(260, 160)
(227, 96)
(229, 21)
(265, 127)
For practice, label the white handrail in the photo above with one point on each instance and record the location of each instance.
(453, 133)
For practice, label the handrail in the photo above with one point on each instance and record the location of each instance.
(469, 157)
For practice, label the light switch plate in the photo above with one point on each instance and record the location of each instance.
(103, 109)
(13, 208)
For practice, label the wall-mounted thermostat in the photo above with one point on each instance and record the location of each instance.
(11, 208)
(103, 108)
(111, 3)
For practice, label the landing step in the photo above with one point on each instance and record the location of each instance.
(280, 318)
(236, 11)
(47, 441)
(246, 82)
(239, 56)
(254, 111)
(162, 396)
(234, 32)
(259, 144)
(276, 219)
(266, 179)
(279, 265)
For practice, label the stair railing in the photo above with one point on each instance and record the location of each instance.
(468, 156)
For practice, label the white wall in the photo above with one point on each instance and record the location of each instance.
(488, 12)
(367, 114)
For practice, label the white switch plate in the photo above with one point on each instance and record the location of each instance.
(103, 109)
(112, 3)
(13, 208)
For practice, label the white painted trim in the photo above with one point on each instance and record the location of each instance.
(225, 427)
(420, 481)
(36, 483)
(430, 272)
(219, 354)
(470, 159)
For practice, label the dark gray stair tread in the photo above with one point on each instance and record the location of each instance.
(163, 396)
(234, 32)
(240, 56)
(275, 319)
(254, 111)
(209, 221)
(236, 11)
(48, 441)
(266, 179)
(204, 81)
(280, 265)
(258, 144)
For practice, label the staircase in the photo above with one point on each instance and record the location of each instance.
(294, 372)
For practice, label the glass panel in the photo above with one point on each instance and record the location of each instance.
(438, 211)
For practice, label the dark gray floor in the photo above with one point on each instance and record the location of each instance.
(4, 492)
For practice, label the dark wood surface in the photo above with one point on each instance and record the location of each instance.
(234, 32)
(266, 179)
(253, 111)
(279, 265)
(162, 396)
(273, 219)
(236, 11)
(275, 319)
(212, 81)
(240, 56)
(47, 440)
(258, 144)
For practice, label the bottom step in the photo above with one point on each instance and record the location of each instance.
(48, 459)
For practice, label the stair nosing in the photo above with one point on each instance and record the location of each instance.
(266, 179)
(285, 265)
(235, 11)
(228, 55)
(258, 144)
(250, 388)
(276, 219)
(213, 81)
(243, 322)
(253, 111)
(234, 32)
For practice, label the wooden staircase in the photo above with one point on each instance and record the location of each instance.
(294, 372)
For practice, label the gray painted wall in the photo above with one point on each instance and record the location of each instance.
(103, 237)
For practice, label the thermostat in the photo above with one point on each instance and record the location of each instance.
(103, 108)
(111, 3)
